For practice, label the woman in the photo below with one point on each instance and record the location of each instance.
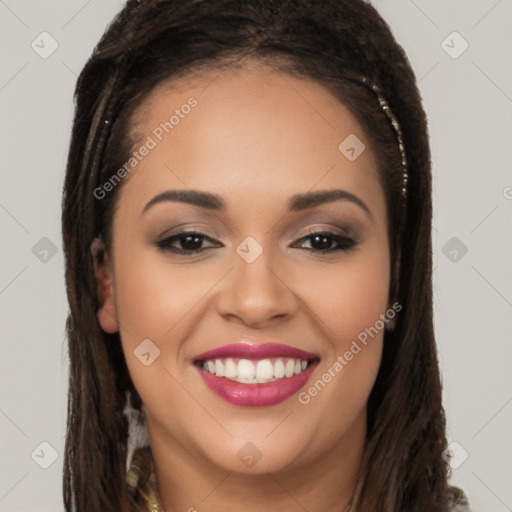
(246, 223)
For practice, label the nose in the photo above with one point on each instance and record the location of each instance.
(255, 294)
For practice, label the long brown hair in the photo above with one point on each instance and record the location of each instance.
(336, 43)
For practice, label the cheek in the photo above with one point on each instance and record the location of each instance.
(350, 296)
(152, 296)
(154, 301)
(348, 300)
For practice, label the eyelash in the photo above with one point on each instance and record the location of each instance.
(344, 243)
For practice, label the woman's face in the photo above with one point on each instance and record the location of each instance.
(242, 147)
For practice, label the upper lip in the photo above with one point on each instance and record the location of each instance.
(249, 350)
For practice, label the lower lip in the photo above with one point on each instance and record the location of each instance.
(259, 394)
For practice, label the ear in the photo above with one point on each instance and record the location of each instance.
(107, 314)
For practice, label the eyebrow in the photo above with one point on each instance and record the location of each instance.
(297, 202)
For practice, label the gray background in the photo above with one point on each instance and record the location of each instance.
(468, 100)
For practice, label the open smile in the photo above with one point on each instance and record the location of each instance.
(255, 375)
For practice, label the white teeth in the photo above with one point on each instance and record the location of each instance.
(230, 369)
(264, 369)
(279, 369)
(289, 368)
(249, 372)
(219, 368)
(246, 370)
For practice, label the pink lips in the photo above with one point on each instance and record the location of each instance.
(258, 394)
(247, 350)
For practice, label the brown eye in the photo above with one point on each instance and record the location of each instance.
(186, 242)
(192, 242)
(325, 241)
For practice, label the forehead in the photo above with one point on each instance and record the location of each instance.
(248, 131)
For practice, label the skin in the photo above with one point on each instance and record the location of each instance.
(256, 138)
